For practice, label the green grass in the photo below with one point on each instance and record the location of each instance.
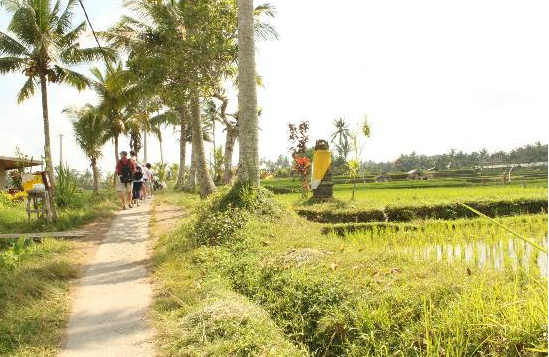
(34, 304)
(377, 199)
(13, 219)
(198, 314)
(370, 294)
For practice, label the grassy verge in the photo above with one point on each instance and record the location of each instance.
(13, 218)
(362, 295)
(197, 313)
(34, 305)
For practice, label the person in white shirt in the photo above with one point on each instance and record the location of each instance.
(145, 181)
(149, 179)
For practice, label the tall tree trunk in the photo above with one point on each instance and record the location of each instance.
(47, 147)
(161, 151)
(230, 139)
(95, 172)
(116, 152)
(135, 141)
(145, 146)
(205, 181)
(182, 149)
(248, 170)
(191, 180)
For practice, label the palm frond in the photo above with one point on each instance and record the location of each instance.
(266, 9)
(10, 5)
(11, 64)
(27, 91)
(24, 25)
(265, 31)
(10, 46)
(90, 129)
(72, 36)
(167, 118)
(76, 55)
(98, 75)
(42, 10)
(65, 19)
(72, 78)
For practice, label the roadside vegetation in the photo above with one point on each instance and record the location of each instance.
(34, 303)
(82, 209)
(197, 313)
(435, 288)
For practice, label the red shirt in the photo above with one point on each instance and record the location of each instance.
(124, 162)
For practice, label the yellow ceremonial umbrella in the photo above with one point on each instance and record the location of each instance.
(322, 160)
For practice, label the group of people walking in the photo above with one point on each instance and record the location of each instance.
(134, 182)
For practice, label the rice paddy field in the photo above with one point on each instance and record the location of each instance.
(423, 287)
(372, 198)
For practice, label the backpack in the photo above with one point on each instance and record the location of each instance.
(138, 175)
(126, 175)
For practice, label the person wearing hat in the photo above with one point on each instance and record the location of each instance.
(124, 170)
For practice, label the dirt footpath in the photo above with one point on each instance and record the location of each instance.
(110, 312)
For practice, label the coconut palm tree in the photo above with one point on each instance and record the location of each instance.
(90, 132)
(248, 171)
(174, 117)
(111, 88)
(341, 136)
(41, 42)
(138, 114)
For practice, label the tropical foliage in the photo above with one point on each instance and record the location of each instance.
(341, 137)
(91, 132)
(42, 44)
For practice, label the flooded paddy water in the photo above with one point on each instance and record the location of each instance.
(507, 253)
(475, 243)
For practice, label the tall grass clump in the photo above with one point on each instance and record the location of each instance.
(226, 212)
(67, 190)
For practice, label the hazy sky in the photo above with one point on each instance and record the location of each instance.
(430, 76)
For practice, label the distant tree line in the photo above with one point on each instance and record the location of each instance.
(460, 160)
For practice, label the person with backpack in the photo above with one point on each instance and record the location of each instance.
(137, 185)
(124, 170)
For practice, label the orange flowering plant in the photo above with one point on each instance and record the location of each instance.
(298, 139)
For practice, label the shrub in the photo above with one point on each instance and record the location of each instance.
(227, 211)
(247, 197)
(218, 227)
(5, 200)
(67, 191)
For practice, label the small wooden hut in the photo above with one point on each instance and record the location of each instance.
(11, 163)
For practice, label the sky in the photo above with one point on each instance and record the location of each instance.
(430, 75)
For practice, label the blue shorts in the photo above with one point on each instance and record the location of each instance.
(136, 192)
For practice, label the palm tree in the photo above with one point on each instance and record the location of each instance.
(248, 171)
(174, 117)
(183, 48)
(138, 115)
(41, 44)
(110, 87)
(341, 135)
(89, 128)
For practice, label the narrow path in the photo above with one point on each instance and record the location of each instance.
(111, 305)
